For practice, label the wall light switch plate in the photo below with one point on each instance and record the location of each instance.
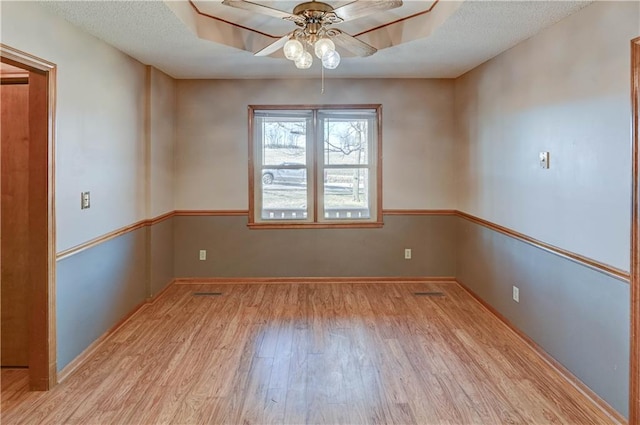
(544, 160)
(516, 294)
(407, 254)
(85, 200)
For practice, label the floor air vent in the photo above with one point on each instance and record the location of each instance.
(429, 294)
(206, 294)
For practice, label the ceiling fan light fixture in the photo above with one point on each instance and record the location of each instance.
(331, 59)
(304, 61)
(293, 49)
(315, 31)
(323, 46)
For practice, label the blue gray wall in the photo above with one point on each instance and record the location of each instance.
(95, 289)
(578, 315)
(161, 242)
(98, 287)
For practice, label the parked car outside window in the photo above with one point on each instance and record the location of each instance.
(285, 175)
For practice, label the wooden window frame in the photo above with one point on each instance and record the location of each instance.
(375, 222)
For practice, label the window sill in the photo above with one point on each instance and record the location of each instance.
(349, 225)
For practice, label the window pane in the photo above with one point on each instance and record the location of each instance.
(284, 140)
(346, 194)
(346, 141)
(283, 173)
(284, 194)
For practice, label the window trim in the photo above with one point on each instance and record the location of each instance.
(375, 223)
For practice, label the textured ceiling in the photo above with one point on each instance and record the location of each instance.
(458, 37)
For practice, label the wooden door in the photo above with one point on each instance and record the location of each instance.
(14, 218)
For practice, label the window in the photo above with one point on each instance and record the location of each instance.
(315, 166)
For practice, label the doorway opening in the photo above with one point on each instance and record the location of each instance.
(28, 215)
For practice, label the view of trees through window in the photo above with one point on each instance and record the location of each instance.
(346, 142)
(341, 146)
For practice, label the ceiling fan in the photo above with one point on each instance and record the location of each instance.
(314, 30)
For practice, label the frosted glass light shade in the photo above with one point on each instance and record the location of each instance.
(323, 46)
(293, 49)
(331, 59)
(304, 61)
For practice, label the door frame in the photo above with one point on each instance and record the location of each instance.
(634, 367)
(42, 310)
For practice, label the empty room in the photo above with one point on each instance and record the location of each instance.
(338, 212)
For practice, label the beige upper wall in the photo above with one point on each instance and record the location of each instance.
(99, 127)
(212, 146)
(565, 91)
(161, 143)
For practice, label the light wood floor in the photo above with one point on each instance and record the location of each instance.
(310, 353)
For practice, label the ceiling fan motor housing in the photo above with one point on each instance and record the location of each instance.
(313, 16)
(312, 6)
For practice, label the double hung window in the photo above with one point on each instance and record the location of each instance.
(315, 166)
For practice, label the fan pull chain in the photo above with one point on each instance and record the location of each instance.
(322, 71)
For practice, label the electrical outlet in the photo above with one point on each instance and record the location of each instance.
(516, 294)
(407, 253)
(203, 254)
(85, 200)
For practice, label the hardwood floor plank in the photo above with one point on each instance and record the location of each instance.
(274, 406)
(343, 353)
(370, 393)
(317, 400)
(283, 352)
(296, 401)
(254, 404)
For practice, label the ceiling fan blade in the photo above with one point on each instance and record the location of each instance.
(358, 9)
(274, 47)
(350, 43)
(258, 8)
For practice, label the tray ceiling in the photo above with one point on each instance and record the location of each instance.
(203, 39)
